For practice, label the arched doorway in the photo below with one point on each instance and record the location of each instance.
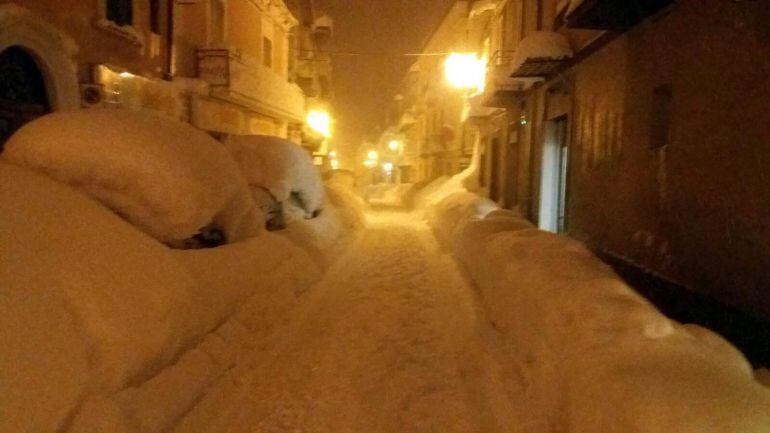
(23, 93)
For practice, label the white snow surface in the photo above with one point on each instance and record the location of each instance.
(388, 195)
(390, 340)
(440, 188)
(164, 176)
(106, 329)
(280, 166)
(103, 328)
(594, 355)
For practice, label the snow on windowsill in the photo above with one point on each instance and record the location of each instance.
(127, 32)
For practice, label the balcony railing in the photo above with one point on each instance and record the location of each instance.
(500, 87)
(249, 83)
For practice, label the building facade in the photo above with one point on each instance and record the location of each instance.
(225, 66)
(241, 50)
(51, 52)
(639, 127)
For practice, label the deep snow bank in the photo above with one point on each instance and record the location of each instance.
(103, 328)
(166, 177)
(595, 356)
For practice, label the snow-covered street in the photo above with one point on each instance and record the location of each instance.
(390, 340)
(384, 216)
(216, 300)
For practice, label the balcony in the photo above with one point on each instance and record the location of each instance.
(246, 82)
(501, 89)
(614, 15)
(540, 55)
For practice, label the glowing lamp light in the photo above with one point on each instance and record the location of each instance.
(335, 164)
(333, 154)
(394, 145)
(373, 155)
(320, 121)
(388, 167)
(369, 163)
(466, 71)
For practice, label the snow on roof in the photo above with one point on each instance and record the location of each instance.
(164, 176)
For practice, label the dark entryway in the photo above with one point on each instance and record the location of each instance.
(23, 95)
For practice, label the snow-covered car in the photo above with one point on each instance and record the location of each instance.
(281, 175)
(166, 177)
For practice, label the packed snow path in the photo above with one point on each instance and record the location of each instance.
(389, 341)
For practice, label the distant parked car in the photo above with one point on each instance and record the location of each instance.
(281, 175)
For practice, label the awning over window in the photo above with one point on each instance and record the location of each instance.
(615, 15)
(540, 54)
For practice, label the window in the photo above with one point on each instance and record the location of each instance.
(155, 6)
(267, 52)
(120, 12)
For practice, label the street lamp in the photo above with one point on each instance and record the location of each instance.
(320, 121)
(466, 71)
(394, 145)
(373, 155)
(335, 164)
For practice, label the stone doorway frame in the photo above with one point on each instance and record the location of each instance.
(53, 51)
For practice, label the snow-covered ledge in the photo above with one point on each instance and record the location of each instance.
(53, 50)
(540, 54)
(128, 32)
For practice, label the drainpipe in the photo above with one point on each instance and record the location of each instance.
(168, 73)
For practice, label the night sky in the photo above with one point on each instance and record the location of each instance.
(382, 31)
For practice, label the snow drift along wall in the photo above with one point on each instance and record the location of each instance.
(595, 356)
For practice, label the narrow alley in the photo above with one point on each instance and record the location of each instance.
(384, 216)
(390, 340)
